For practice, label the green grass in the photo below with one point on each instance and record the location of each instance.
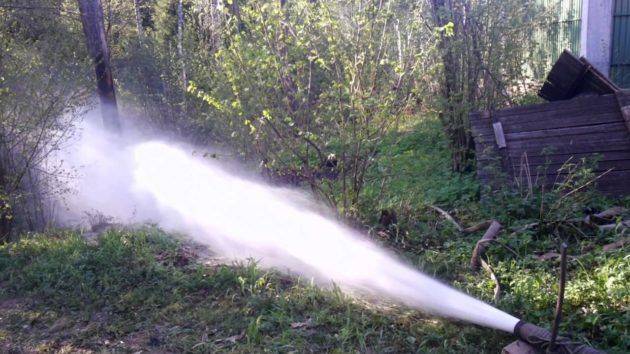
(132, 291)
(141, 290)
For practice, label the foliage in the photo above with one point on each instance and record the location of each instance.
(310, 82)
(41, 89)
(485, 52)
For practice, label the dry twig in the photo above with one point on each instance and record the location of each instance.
(480, 226)
(497, 286)
(447, 216)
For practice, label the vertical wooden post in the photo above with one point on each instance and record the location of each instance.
(623, 101)
(93, 28)
(562, 282)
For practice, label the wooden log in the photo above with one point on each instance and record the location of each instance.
(480, 248)
(618, 244)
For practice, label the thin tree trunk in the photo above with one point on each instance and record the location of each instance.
(453, 118)
(136, 4)
(94, 30)
(180, 40)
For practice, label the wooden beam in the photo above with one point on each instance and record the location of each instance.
(498, 135)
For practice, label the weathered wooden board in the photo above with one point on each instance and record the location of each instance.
(570, 77)
(539, 139)
(623, 101)
(549, 110)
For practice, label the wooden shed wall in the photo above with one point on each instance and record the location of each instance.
(541, 138)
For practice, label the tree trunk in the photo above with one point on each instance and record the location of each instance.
(180, 41)
(93, 28)
(453, 116)
(136, 4)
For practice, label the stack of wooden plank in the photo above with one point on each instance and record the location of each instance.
(530, 144)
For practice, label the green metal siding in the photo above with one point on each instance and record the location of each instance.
(620, 58)
(563, 32)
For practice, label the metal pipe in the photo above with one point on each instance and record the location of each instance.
(541, 339)
(561, 285)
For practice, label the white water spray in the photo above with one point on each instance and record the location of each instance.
(240, 218)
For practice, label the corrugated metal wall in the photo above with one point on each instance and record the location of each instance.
(620, 60)
(564, 32)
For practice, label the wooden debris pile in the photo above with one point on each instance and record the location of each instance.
(587, 117)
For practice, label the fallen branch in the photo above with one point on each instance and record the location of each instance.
(623, 224)
(617, 244)
(611, 213)
(604, 217)
(524, 228)
(552, 255)
(480, 248)
(606, 248)
(497, 286)
(547, 256)
(447, 216)
(480, 226)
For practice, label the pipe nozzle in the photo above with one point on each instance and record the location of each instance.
(541, 339)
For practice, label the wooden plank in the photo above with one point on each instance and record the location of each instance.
(624, 108)
(556, 110)
(565, 134)
(522, 131)
(594, 139)
(525, 126)
(613, 183)
(598, 145)
(583, 128)
(569, 121)
(498, 135)
(571, 76)
(555, 167)
(593, 108)
(614, 179)
(597, 81)
(561, 158)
